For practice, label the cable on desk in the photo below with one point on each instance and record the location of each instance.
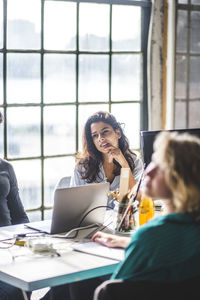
(17, 240)
(9, 243)
(83, 227)
(66, 235)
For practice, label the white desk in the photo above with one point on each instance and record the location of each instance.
(30, 272)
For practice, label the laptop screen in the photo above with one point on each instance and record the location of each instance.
(79, 206)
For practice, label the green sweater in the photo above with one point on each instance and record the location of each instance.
(166, 249)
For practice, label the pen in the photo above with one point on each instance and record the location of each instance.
(35, 229)
(28, 234)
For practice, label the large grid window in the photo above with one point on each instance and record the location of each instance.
(60, 61)
(187, 90)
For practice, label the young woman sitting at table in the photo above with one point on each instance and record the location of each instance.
(167, 248)
(105, 151)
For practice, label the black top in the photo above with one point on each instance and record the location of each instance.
(11, 208)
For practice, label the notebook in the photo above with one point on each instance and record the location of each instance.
(100, 250)
(72, 206)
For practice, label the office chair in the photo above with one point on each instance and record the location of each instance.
(127, 290)
(63, 182)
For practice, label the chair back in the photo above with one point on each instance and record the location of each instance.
(63, 182)
(128, 290)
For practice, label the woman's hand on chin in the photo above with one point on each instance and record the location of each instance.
(115, 153)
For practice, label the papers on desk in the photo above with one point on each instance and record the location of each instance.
(9, 232)
(5, 235)
(99, 250)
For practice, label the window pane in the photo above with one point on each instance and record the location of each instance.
(84, 113)
(1, 23)
(195, 2)
(94, 27)
(34, 216)
(59, 25)
(129, 114)
(182, 1)
(181, 76)
(61, 167)
(126, 28)
(59, 78)
(195, 33)
(24, 24)
(93, 78)
(23, 78)
(182, 30)
(194, 77)
(48, 214)
(1, 78)
(59, 130)
(126, 74)
(23, 131)
(180, 110)
(28, 175)
(194, 114)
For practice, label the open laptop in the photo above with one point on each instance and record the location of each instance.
(75, 207)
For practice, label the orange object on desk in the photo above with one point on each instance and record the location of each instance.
(146, 210)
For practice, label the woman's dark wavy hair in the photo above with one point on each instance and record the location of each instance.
(88, 162)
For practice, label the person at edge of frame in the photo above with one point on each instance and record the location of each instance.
(11, 212)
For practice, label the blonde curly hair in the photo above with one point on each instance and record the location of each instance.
(179, 156)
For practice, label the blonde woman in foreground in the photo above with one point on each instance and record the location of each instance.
(167, 248)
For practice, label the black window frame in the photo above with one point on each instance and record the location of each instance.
(189, 7)
(145, 22)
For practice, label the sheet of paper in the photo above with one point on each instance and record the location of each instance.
(124, 182)
(99, 250)
(10, 232)
(6, 235)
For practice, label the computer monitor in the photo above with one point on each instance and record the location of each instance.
(148, 137)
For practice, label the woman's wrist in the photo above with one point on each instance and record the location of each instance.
(124, 242)
(124, 163)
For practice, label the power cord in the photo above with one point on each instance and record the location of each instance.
(11, 242)
(67, 235)
(8, 243)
